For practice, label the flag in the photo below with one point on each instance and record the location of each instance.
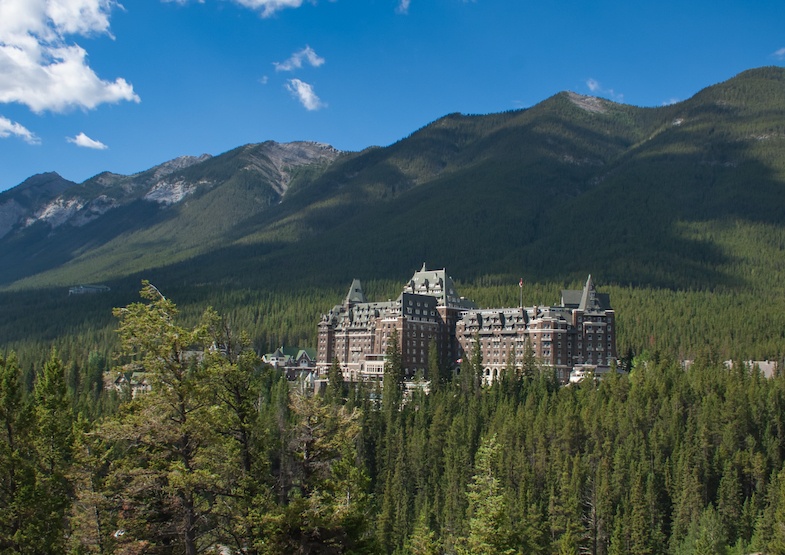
(520, 283)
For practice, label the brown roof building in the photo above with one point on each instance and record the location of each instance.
(577, 334)
(356, 332)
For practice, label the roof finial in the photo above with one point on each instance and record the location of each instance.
(423, 267)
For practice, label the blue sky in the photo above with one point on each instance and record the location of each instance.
(94, 85)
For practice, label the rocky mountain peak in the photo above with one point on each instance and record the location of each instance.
(285, 156)
(179, 163)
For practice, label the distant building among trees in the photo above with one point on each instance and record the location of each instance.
(293, 361)
(87, 289)
(577, 335)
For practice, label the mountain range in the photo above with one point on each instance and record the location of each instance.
(672, 196)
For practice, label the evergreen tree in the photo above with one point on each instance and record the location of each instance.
(775, 517)
(640, 519)
(88, 516)
(392, 387)
(489, 529)
(423, 540)
(53, 441)
(17, 471)
(729, 501)
(169, 467)
(435, 373)
(241, 394)
(327, 505)
(711, 539)
(335, 383)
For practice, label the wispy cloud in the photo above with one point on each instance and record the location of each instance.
(671, 101)
(84, 141)
(296, 60)
(403, 7)
(304, 92)
(269, 7)
(779, 54)
(9, 128)
(596, 88)
(41, 69)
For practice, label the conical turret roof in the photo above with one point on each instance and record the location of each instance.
(355, 294)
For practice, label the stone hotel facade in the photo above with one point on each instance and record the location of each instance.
(578, 334)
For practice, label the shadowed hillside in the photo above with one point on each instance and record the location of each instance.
(687, 197)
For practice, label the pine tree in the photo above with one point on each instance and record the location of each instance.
(490, 530)
(335, 383)
(169, 471)
(711, 539)
(88, 516)
(327, 506)
(392, 387)
(240, 393)
(776, 542)
(729, 501)
(423, 540)
(17, 471)
(53, 441)
(640, 518)
(435, 374)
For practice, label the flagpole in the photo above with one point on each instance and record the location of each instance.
(520, 286)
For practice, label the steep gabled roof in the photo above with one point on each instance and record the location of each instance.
(436, 283)
(310, 353)
(355, 294)
(586, 299)
(589, 296)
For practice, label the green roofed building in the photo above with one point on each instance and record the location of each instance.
(291, 358)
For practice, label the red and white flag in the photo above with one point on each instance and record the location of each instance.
(520, 283)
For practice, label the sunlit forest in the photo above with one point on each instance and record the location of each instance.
(677, 213)
(225, 454)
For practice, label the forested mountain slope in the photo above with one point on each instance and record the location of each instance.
(113, 225)
(685, 197)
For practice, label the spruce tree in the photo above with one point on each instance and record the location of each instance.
(335, 383)
(53, 441)
(17, 464)
(169, 472)
(489, 530)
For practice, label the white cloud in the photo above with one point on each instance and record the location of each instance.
(403, 7)
(303, 92)
(40, 68)
(296, 60)
(595, 87)
(86, 142)
(79, 17)
(266, 7)
(8, 128)
(779, 54)
(269, 7)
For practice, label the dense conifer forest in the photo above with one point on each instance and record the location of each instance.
(224, 452)
(677, 213)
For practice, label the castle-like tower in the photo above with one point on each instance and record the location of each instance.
(578, 334)
(426, 313)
